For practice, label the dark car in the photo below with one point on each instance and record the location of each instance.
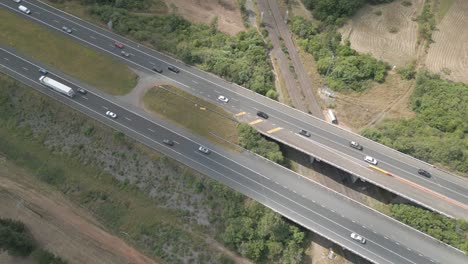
(82, 91)
(424, 173)
(173, 69)
(305, 133)
(355, 145)
(262, 114)
(158, 70)
(168, 142)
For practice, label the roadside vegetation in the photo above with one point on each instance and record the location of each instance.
(242, 59)
(342, 67)
(199, 116)
(427, 23)
(252, 140)
(451, 231)
(154, 203)
(437, 134)
(335, 12)
(17, 241)
(56, 50)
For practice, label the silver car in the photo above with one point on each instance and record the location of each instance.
(370, 160)
(358, 238)
(204, 150)
(111, 114)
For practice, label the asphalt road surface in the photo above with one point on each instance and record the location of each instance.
(444, 192)
(315, 207)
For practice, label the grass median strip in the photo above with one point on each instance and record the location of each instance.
(65, 54)
(198, 115)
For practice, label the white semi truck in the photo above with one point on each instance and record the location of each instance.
(59, 87)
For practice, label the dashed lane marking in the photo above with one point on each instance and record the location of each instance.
(274, 130)
(256, 122)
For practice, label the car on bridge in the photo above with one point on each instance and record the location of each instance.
(67, 29)
(262, 114)
(173, 69)
(203, 150)
(119, 45)
(424, 173)
(111, 114)
(355, 145)
(168, 142)
(304, 132)
(370, 160)
(223, 99)
(358, 238)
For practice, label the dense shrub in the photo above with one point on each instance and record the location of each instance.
(408, 71)
(438, 132)
(344, 67)
(242, 59)
(15, 238)
(45, 257)
(252, 140)
(448, 230)
(335, 11)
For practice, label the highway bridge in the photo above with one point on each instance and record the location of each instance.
(305, 202)
(444, 192)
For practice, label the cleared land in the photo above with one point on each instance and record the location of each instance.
(203, 11)
(449, 52)
(191, 112)
(58, 225)
(58, 51)
(386, 31)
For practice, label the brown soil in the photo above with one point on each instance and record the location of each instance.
(203, 11)
(449, 52)
(58, 225)
(371, 33)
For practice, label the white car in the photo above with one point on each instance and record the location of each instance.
(223, 99)
(111, 114)
(204, 150)
(17, 1)
(358, 238)
(370, 160)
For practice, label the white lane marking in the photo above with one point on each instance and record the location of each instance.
(56, 21)
(176, 142)
(164, 55)
(194, 81)
(300, 205)
(345, 237)
(25, 68)
(318, 184)
(128, 119)
(201, 77)
(151, 130)
(84, 97)
(6, 59)
(152, 63)
(92, 37)
(105, 107)
(216, 91)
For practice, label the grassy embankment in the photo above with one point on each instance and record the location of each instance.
(77, 168)
(60, 52)
(199, 116)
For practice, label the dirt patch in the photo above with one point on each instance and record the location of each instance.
(58, 225)
(449, 54)
(203, 11)
(387, 31)
(389, 99)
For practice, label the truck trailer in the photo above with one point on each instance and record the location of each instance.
(59, 87)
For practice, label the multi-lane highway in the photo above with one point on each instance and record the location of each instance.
(315, 207)
(443, 192)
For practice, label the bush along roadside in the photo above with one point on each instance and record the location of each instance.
(342, 67)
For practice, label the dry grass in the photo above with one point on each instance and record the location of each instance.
(391, 36)
(449, 52)
(389, 99)
(58, 51)
(203, 11)
(56, 224)
(199, 116)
